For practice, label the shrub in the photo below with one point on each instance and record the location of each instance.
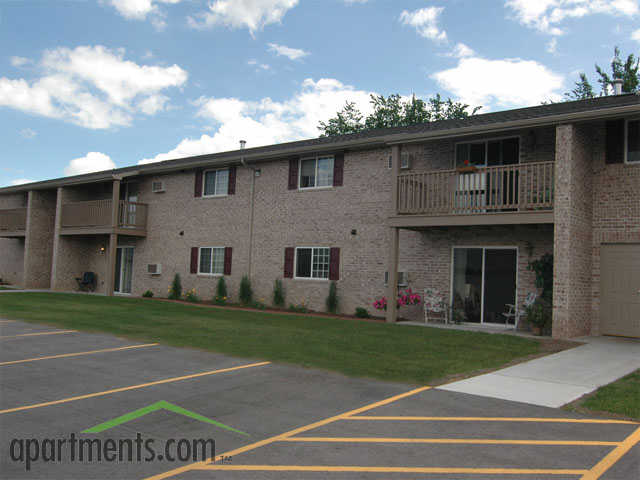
(221, 292)
(245, 294)
(332, 298)
(539, 314)
(278, 293)
(543, 268)
(191, 296)
(148, 294)
(362, 313)
(175, 290)
(298, 308)
(258, 304)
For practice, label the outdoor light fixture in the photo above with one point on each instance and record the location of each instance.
(102, 250)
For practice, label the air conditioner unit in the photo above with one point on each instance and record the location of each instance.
(405, 161)
(402, 279)
(154, 269)
(157, 187)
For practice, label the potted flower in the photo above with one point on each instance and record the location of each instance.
(539, 316)
(467, 168)
(405, 298)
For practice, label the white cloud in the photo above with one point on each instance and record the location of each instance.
(460, 51)
(91, 162)
(141, 9)
(21, 181)
(93, 87)
(290, 53)
(259, 66)
(636, 35)
(547, 15)
(502, 83)
(265, 121)
(19, 61)
(425, 21)
(552, 45)
(250, 14)
(352, 2)
(28, 133)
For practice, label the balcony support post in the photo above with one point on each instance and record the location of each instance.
(392, 284)
(113, 238)
(55, 282)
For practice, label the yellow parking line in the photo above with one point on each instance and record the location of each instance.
(434, 470)
(616, 454)
(290, 433)
(67, 355)
(489, 419)
(57, 332)
(133, 387)
(471, 441)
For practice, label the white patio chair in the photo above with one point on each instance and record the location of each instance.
(434, 303)
(516, 313)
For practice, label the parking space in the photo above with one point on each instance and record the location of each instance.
(275, 421)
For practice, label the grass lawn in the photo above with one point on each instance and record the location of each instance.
(357, 348)
(6, 288)
(621, 397)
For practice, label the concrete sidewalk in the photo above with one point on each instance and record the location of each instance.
(558, 379)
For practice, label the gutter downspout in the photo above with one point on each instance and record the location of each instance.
(251, 209)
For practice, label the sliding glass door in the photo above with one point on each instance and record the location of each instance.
(484, 281)
(124, 270)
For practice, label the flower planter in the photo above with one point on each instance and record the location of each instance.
(467, 169)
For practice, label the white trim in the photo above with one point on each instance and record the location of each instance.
(484, 248)
(316, 158)
(486, 147)
(295, 263)
(198, 273)
(204, 178)
(626, 141)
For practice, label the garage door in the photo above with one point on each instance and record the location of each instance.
(620, 290)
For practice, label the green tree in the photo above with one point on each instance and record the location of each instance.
(394, 111)
(582, 90)
(627, 71)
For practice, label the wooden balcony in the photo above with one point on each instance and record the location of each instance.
(13, 222)
(509, 194)
(95, 217)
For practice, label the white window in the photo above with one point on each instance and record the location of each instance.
(211, 261)
(501, 151)
(216, 182)
(632, 140)
(316, 172)
(312, 262)
(402, 279)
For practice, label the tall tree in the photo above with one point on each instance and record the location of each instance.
(394, 111)
(626, 70)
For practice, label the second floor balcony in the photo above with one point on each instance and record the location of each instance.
(470, 195)
(13, 222)
(96, 217)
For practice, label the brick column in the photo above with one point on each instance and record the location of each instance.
(573, 232)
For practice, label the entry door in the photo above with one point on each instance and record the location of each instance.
(124, 269)
(484, 281)
(620, 290)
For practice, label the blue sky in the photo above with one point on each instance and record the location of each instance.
(89, 85)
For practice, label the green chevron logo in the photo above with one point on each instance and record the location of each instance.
(161, 405)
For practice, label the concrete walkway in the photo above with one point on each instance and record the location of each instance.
(558, 379)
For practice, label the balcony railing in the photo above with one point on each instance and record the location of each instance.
(97, 214)
(508, 188)
(13, 220)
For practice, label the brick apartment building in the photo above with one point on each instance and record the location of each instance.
(461, 206)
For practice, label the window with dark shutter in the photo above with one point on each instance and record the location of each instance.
(197, 189)
(194, 260)
(289, 253)
(615, 141)
(633, 141)
(338, 169)
(293, 174)
(231, 190)
(334, 264)
(227, 260)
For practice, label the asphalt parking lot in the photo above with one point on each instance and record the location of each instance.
(269, 421)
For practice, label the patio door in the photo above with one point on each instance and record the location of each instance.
(129, 193)
(124, 270)
(483, 282)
